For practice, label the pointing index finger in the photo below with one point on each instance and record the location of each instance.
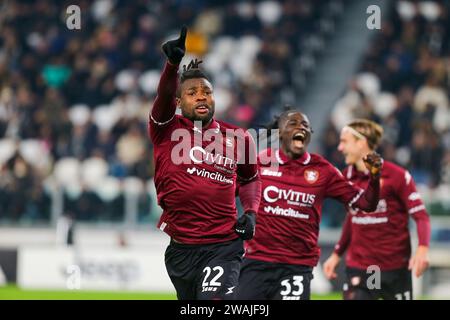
(183, 34)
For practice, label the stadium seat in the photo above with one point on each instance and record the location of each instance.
(35, 153)
(67, 171)
(109, 189)
(133, 186)
(406, 10)
(148, 81)
(79, 114)
(443, 192)
(269, 12)
(385, 104)
(368, 83)
(105, 117)
(93, 172)
(248, 46)
(225, 46)
(223, 99)
(429, 9)
(213, 62)
(126, 80)
(7, 149)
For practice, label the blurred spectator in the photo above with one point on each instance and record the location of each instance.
(330, 139)
(131, 147)
(21, 192)
(53, 80)
(431, 100)
(426, 156)
(404, 115)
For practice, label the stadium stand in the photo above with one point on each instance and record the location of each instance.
(74, 103)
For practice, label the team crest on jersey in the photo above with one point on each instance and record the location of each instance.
(311, 175)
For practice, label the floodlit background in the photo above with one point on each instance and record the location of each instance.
(77, 200)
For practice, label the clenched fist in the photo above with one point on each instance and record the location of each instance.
(245, 226)
(374, 163)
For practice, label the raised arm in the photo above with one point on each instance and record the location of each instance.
(367, 200)
(353, 197)
(164, 106)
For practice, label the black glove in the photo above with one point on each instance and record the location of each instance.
(245, 226)
(175, 49)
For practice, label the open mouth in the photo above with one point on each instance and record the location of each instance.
(202, 108)
(299, 139)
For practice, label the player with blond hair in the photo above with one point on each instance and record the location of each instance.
(380, 238)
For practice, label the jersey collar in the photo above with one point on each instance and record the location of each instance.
(213, 125)
(282, 158)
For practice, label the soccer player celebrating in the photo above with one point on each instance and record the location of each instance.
(280, 258)
(379, 240)
(205, 253)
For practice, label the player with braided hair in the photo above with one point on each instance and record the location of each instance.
(205, 253)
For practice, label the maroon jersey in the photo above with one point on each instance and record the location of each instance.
(195, 183)
(287, 223)
(382, 237)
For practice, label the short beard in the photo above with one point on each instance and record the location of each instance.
(204, 119)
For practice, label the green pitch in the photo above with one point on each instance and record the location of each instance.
(12, 292)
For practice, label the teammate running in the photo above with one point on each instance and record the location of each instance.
(280, 258)
(379, 240)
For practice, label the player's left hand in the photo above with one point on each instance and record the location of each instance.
(329, 266)
(374, 163)
(245, 226)
(175, 49)
(419, 263)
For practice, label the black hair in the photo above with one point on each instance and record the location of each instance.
(276, 121)
(191, 71)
